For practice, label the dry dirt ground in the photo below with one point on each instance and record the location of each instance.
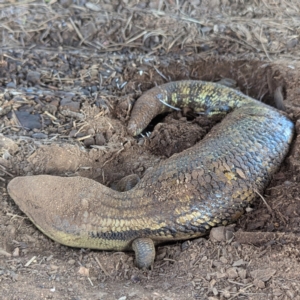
(67, 86)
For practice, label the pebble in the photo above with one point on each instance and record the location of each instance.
(16, 252)
(259, 283)
(232, 273)
(89, 141)
(223, 260)
(54, 267)
(263, 274)
(226, 294)
(135, 278)
(242, 273)
(11, 85)
(72, 133)
(217, 234)
(84, 271)
(239, 263)
(33, 77)
(29, 121)
(67, 104)
(11, 229)
(8, 144)
(71, 261)
(229, 235)
(100, 139)
(85, 92)
(185, 245)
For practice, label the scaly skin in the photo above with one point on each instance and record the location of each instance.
(208, 185)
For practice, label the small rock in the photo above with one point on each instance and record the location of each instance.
(217, 234)
(292, 43)
(242, 273)
(49, 257)
(27, 120)
(100, 139)
(67, 104)
(226, 294)
(73, 133)
(71, 261)
(16, 252)
(33, 77)
(217, 264)
(220, 275)
(11, 229)
(246, 281)
(215, 291)
(11, 85)
(84, 271)
(259, 283)
(89, 141)
(85, 92)
(232, 273)
(8, 144)
(14, 276)
(262, 274)
(229, 235)
(135, 278)
(185, 245)
(223, 260)
(239, 263)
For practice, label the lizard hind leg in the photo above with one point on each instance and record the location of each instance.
(144, 252)
(126, 183)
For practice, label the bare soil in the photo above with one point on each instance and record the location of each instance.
(64, 111)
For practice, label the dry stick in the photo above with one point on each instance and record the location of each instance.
(267, 205)
(30, 261)
(89, 279)
(278, 98)
(6, 172)
(4, 253)
(77, 30)
(264, 46)
(161, 74)
(101, 267)
(136, 37)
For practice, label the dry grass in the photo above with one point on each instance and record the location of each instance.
(263, 29)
